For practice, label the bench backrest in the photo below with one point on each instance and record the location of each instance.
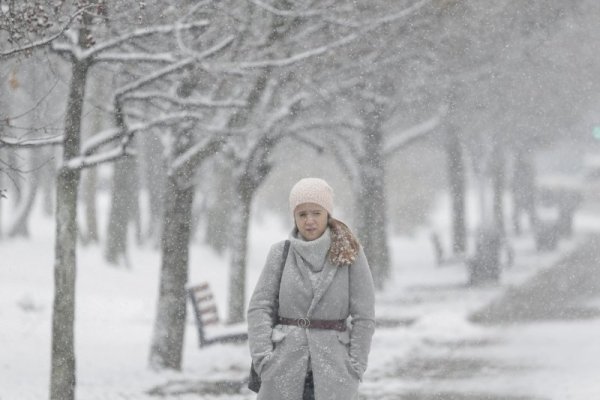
(205, 308)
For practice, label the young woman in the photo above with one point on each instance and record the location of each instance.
(311, 316)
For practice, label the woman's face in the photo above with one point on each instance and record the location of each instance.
(311, 220)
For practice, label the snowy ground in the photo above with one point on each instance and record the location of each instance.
(426, 348)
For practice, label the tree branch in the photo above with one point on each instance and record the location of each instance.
(173, 68)
(82, 162)
(410, 135)
(138, 57)
(197, 153)
(284, 13)
(194, 102)
(29, 143)
(47, 41)
(139, 33)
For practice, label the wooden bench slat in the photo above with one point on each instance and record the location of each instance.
(206, 313)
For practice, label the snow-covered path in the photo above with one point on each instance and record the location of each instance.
(434, 352)
(548, 351)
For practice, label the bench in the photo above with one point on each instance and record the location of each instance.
(206, 314)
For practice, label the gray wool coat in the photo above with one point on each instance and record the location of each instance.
(281, 353)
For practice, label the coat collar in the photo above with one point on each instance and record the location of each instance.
(314, 252)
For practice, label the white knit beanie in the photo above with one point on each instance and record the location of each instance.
(312, 190)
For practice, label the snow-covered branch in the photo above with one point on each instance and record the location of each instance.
(308, 141)
(101, 158)
(345, 155)
(38, 142)
(47, 41)
(194, 102)
(412, 134)
(139, 33)
(173, 68)
(373, 23)
(340, 146)
(325, 124)
(135, 57)
(362, 28)
(282, 112)
(112, 134)
(198, 152)
(99, 140)
(284, 62)
(285, 13)
(396, 16)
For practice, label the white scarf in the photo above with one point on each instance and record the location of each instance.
(312, 253)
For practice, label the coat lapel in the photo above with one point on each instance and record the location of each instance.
(303, 272)
(327, 276)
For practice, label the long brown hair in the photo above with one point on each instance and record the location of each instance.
(344, 244)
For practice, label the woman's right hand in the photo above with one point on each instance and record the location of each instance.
(263, 362)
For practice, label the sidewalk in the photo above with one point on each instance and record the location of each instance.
(557, 293)
(447, 356)
(422, 319)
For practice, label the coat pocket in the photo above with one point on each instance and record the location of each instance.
(279, 333)
(344, 337)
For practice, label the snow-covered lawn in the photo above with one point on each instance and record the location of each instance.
(115, 311)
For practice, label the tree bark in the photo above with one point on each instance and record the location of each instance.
(47, 180)
(19, 226)
(372, 226)
(499, 181)
(523, 191)
(240, 223)
(218, 214)
(2, 188)
(122, 210)
(62, 380)
(154, 171)
(456, 178)
(89, 193)
(169, 325)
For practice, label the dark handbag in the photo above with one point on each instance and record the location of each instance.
(254, 379)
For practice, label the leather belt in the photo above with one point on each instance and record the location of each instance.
(335, 324)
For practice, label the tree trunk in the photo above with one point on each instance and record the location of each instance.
(240, 222)
(90, 179)
(122, 210)
(47, 180)
(16, 194)
(498, 171)
(20, 224)
(523, 190)
(169, 325)
(218, 214)
(372, 207)
(154, 172)
(456, 178)
(62, 380)
(2, 193)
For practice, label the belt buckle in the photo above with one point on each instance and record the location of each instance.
(303, 322)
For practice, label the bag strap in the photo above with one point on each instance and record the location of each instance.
(286, 249)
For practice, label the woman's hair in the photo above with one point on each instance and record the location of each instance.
(344, 245)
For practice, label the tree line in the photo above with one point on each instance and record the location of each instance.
(160, 92)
